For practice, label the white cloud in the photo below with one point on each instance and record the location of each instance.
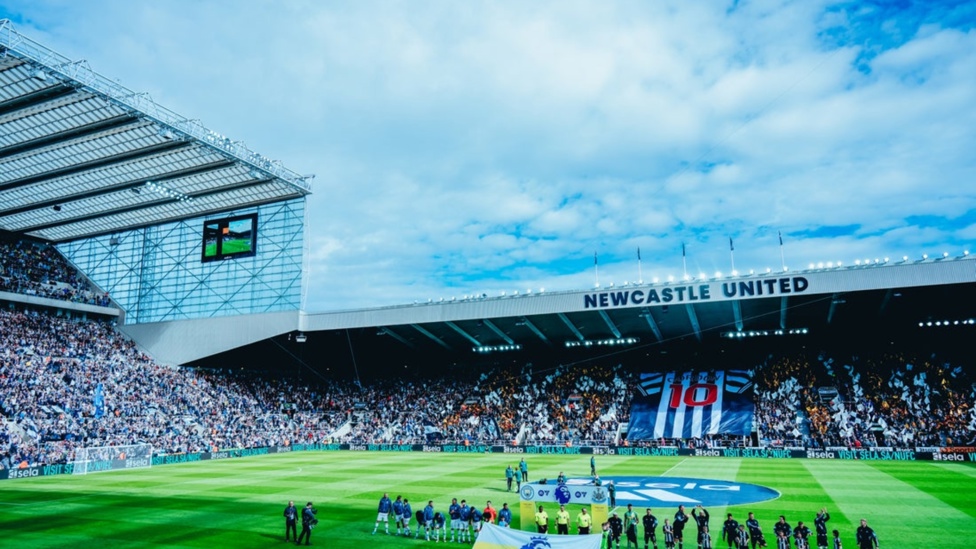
(482, 146)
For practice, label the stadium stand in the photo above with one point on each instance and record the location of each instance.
(37, 269)
(50, 368)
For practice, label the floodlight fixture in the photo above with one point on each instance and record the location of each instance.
(484, 349)
(612, 342)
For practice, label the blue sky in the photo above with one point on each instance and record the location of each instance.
(479, 147)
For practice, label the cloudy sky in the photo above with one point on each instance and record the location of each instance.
(479, 147)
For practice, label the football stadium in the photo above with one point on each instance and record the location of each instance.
(161, 384)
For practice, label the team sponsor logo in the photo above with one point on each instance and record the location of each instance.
(674, 491)
(24, 473)
(949, 457)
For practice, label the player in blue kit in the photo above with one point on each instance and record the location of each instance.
(428, 519)
(475, 520)
(439, 527)
(398, 514)
(454, 513)
(465, 534)
(505, 516)
(383, 513)
(406, 516)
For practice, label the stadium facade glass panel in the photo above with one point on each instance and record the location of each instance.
(156, 273)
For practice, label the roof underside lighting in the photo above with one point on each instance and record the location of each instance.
(603, 342)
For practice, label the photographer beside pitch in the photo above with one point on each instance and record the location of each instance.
(308, 522)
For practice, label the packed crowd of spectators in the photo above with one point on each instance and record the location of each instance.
(37, 269)
(891, 400)
(52, 368)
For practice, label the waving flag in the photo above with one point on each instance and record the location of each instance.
(99, 400)
(692, 404)
(497, 537)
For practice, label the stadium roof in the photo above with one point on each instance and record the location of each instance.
(82, 155)
(857, 297)
(900, 300)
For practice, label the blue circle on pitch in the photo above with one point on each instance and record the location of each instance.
(675, 491)
(563, 494)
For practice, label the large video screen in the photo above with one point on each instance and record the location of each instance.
(230, 238)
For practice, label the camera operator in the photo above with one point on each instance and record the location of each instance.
(308, 522)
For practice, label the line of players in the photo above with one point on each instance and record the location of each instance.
(736, 535)
(465, 520)
(466, 523)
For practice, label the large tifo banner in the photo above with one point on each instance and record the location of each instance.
(692, 404)
(496, 537)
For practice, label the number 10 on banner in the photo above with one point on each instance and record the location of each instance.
(699, 394)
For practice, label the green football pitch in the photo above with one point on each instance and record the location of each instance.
(239, 502)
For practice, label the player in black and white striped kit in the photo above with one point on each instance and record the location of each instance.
(741, 537)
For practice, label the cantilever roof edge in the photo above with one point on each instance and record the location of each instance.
(80, 75)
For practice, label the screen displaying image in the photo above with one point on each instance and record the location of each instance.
(230, 237)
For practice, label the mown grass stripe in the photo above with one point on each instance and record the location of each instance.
(238, 502)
